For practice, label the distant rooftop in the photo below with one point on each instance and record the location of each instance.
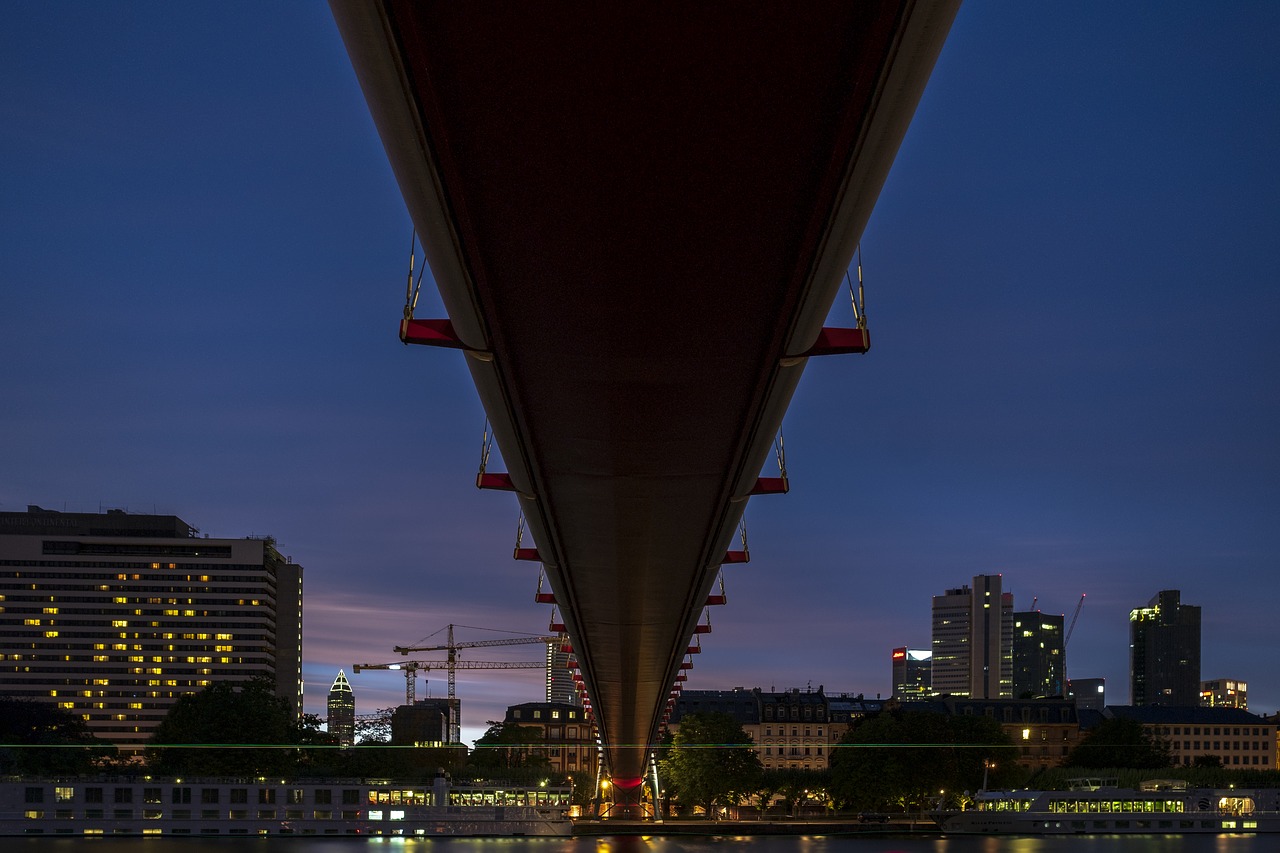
(1184, 714)
(37, 521)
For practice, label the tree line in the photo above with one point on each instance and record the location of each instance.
(896, 761)
(905, 761)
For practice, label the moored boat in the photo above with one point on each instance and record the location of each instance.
(1098, 806)
(266, 807)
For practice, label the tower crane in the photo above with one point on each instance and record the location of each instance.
(411, 667)
(1074, 617)
(452, 664)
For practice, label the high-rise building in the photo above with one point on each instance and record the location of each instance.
(1224, 693)
(973, 640)
(912, 673)
(114, 616)
(1038, 660)
(1164, 652)
(342, 710)
(560, 685)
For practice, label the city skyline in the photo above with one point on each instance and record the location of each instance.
(1068, 287)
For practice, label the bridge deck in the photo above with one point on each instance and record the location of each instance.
(633, 219)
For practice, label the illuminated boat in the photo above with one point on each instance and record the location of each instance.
(145, 806)
(1097, 806)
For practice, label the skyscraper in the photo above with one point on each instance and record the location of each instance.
(114, 616)
(342, 710)
(912, 673)
(973, 640)
(560, 686)
(1038, 660)
(1164, 652)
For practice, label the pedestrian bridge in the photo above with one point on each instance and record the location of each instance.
(638, 218)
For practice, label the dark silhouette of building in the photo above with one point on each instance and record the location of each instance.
(114, 616)
(424, 723)
(912, 673)
(342, 710)
(1038, 659)
(1089, 694)
(1164, 652)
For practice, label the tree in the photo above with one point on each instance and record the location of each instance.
(710, 756)
(797, 786)
(1120, 742)
(227, 729)
(905, 758)
(38, 739)
(509, 751)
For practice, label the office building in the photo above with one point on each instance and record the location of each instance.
(1089, 694)
(912, 673)
(561, 688)
(1224, 693)
(973, 640)
(113, 616)
(1038, 659)
(341, 708)
(1164, 652)
(424, 723)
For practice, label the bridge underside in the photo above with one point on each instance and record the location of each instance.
(637, 221)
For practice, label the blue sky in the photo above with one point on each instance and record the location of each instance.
(1070, 283)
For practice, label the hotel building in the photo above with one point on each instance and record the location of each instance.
(114, 616)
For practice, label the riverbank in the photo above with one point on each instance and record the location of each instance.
(850, 826)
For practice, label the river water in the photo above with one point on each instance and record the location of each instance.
(659, 844)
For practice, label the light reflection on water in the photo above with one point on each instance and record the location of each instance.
(659, 844)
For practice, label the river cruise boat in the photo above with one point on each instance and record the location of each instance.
(271, 807)
(1097, 806)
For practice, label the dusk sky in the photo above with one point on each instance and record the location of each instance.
(1071, 285)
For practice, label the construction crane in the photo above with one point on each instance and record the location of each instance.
(451, 648)
(411, 667)
(1074, 617)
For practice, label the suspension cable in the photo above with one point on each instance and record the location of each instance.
(413, 288)
(486, 446)
(858, 301)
